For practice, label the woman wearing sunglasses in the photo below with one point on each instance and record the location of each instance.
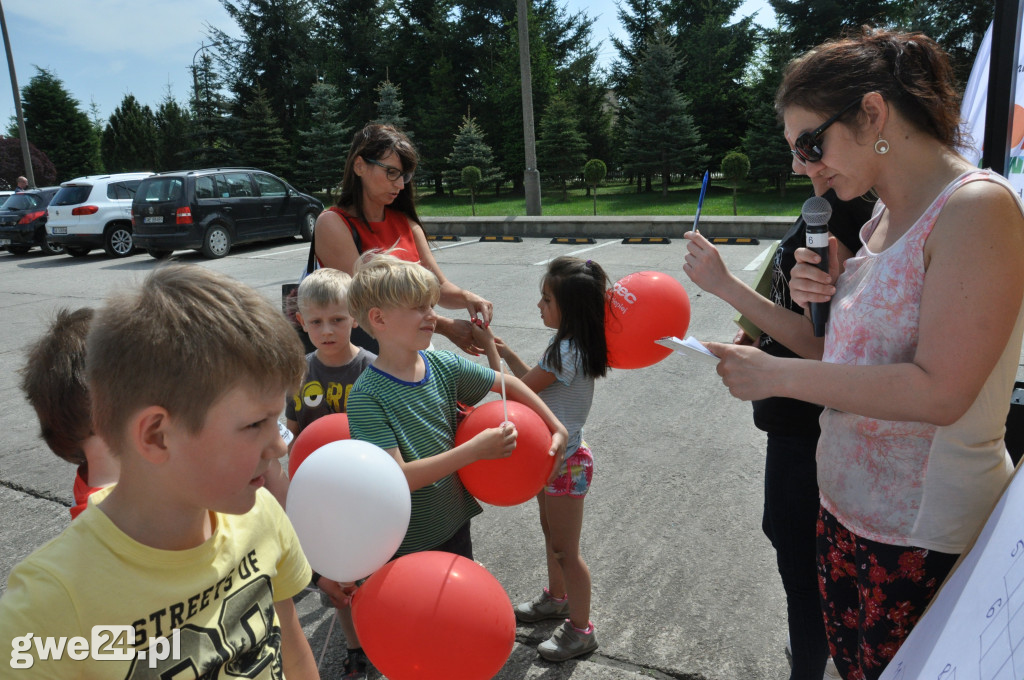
(923, 343)
(376, 209)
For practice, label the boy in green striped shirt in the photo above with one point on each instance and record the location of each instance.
(406, 402)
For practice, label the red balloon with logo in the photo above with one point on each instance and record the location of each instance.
(330, 428)
(641, 308)
(432, 615)
(521, 476)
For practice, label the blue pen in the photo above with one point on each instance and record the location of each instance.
(700, 200)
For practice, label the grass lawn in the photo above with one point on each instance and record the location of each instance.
(620, 199)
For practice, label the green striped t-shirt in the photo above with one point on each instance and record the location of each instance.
(419, 419)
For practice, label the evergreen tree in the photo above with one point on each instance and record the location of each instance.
(389, 107)
(207, 142)
(439, 115)
(130, 139)
(763, 142)
(325, 144)
(660, 134)
(440, 62)
(561, 149)
(96, 120)
(261, 143)
(470, 148)
(274, 53)
(958, 25)
(57, 127)
(716, 55)
(349, 39)
(639, 18)
(586, 89)
(172, 125)
(811, 22)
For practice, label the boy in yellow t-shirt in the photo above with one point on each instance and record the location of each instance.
(186, 566)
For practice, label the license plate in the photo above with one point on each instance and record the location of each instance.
(158, 219)
(60, 230)
(5, 241)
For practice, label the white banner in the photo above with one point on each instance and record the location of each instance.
(972, 110)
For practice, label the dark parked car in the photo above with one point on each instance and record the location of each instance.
(210, 210)
(23, 222)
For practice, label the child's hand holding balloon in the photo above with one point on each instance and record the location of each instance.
(496, 442)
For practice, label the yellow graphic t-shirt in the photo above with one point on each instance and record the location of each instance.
(204, 612)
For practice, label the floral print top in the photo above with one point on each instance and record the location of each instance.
(909, 483)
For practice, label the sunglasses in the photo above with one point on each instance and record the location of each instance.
(807, 148)
(392, 172)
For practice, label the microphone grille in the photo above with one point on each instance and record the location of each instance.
(816, 211)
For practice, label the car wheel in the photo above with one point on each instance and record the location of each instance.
(308, 222)
(75, 251)
(19, 250)
(117, 241)
(160, 254)
(217, 242)
(49, 248)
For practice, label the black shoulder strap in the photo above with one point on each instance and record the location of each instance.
(355, 235)
(311, 260)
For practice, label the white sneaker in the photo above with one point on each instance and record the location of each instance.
(567, 643)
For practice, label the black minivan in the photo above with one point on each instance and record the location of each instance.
(209, 210)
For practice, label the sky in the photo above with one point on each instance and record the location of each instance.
(104, 49)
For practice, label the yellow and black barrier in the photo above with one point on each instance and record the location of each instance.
(735, 240)
(443, 237)
(502, 239)
(573, 239)
(646, 239)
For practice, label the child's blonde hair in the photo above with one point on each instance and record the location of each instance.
(323, 287)
(180, 341)
(387, 282)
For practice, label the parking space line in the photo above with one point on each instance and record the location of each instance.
(756, 262)
(577, 252)
(453, 245)
(280, 252)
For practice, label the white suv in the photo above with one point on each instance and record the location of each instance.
(94, 212)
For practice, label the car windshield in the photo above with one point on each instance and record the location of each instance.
(72, 195)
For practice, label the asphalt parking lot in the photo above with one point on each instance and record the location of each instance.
(685, 584)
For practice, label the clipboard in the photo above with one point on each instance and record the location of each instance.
(763, 286)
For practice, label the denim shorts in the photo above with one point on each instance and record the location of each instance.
(575, 476)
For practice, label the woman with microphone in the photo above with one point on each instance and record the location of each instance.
(923, 341)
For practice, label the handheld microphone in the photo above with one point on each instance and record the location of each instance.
(816, 212)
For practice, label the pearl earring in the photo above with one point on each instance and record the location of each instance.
(881, 146)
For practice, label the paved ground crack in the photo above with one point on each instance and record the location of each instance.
(614, 662)
(35, 494)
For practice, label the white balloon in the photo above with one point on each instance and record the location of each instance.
(350, 504)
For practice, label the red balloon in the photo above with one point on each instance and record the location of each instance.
(641, 308)
(434, 615)
(521, 476)
(330, 428)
